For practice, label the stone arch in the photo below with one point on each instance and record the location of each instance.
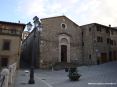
(64, 48)
(64, 40)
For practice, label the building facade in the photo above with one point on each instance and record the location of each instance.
(63, 41)
(58, 42)
(10, 42)
(99, 43)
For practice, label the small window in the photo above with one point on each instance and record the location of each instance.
(63, 25)
(18, 32)
(99, 28)
(82, 43)
(99, 39)
(90, 56)
(13, 31)
(108, 41)
(4, 61)
(6, 45)
(82, 33)
(111, 42)
(89, 29)
(114, 42)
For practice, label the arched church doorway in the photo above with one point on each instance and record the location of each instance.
(63, 53)
(64, 48)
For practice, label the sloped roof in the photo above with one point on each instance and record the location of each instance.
(13, 23)
(60, 17)
(114, 28)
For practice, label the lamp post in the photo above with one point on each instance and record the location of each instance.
(110, 51)
(36, 27)
(29, 26)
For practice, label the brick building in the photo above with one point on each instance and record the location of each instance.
(10, 42)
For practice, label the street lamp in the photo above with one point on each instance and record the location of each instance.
(36, 27)
(29, 26)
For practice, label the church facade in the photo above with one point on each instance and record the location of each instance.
(60, 41)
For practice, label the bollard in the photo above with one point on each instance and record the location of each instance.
(10, 74)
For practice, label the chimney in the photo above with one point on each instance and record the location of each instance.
(19, 22)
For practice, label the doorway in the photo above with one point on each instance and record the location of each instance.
(63, 53)
(103, 57)
(110, 56)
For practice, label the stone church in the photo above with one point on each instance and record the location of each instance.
(60, 41)
(63, 42)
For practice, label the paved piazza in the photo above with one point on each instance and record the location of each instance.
(104, 75)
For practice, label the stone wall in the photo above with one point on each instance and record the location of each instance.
(52, 31)
(94, 50)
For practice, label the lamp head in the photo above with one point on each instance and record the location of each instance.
(29, 26)
(36, 21)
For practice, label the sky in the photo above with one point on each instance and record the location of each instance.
(80, 11)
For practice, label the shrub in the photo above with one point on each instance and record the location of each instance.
(73, 74)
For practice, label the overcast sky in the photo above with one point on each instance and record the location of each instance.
(80, 11)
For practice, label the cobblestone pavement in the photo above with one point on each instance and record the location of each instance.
(23, 77)
(104, 75)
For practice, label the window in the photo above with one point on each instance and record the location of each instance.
(108, 41)
(114, 42)
(99, 39)
(89, 29)
(82, 43)
(18, 32)
(63, 25)
(90, 56)
(111, 42)
(99, 28)
(6, 45)
(13, 31)
(4, 61)
(82, 34)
